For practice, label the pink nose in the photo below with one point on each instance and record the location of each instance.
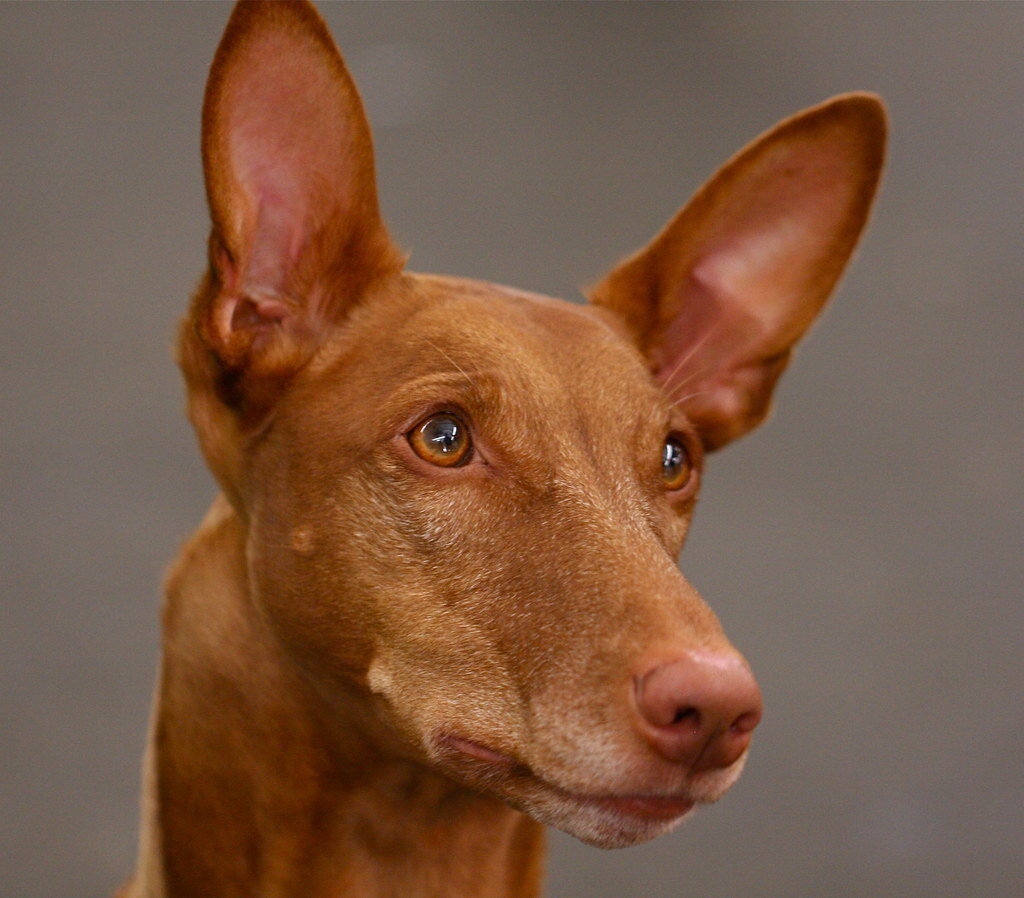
(699, 709)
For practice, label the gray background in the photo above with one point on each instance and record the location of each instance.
(863, 549)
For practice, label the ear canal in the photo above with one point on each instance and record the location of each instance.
(719, 298)
(288, 161)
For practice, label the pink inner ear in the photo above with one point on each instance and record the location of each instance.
(295, 151)
(701, 343)
(760, 269)
(275, 248)
(766, 250)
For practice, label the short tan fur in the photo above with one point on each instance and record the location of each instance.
(437, 603)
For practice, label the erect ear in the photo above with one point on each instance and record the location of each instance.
(718, 299)
(297, 234)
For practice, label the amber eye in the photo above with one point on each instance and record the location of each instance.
(676, 466)
(442, 440)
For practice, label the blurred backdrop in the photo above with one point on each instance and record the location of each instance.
(863, 549)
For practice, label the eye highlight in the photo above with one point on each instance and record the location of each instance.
(676, 464)
(442, 440)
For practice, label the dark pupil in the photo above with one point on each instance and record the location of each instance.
(672, 458)
(443, 434)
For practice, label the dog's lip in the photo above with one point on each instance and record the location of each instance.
(478, 751)
(646, 807)
(636, 805)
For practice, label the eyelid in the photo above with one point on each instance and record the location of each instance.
(411, 420)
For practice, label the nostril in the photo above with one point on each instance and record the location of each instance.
(688, 715)
(745, 723)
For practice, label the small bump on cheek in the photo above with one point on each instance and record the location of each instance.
(303, 540)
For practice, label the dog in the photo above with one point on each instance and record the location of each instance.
(436, 603)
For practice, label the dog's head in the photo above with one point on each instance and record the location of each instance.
(464, 502)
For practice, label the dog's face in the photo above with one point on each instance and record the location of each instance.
(464, 501)
(506, 597)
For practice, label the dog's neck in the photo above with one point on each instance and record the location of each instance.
(253, 788)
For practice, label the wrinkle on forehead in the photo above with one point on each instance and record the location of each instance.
(561, 354)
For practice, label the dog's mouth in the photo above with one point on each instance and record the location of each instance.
(642, 815)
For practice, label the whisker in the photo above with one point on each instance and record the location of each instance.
(458, 367)
(690, 378)
(689, 396)
(668, 386)
(695, 375)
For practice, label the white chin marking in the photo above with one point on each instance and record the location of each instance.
(604, 827)
(602, 830)
(597, 826)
